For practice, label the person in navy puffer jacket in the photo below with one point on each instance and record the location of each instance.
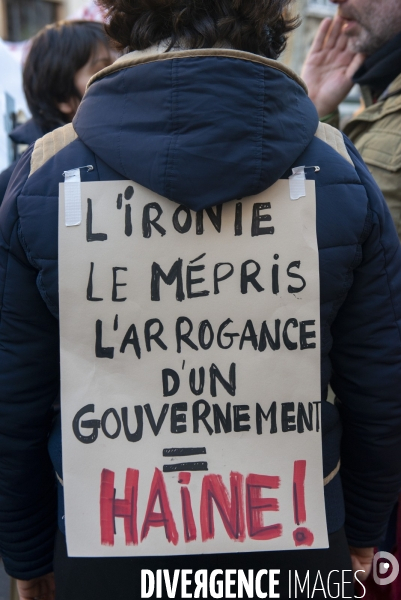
(199, 111)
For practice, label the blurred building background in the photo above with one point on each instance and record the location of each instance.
(21, 19)
(312, 12)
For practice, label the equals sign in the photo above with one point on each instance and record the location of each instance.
(185, 466)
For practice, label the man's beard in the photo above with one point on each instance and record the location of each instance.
(367, 42)
(376, 27)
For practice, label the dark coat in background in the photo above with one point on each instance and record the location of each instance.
(25, 134)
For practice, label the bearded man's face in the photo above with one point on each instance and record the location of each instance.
(370, 23)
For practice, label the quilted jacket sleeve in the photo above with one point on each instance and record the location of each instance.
(29, 379)
(366, 360)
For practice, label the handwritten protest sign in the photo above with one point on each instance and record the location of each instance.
(190, 367)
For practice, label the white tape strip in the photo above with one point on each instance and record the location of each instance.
(297, 183)
(72, 197)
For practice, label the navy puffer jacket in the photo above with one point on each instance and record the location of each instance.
(203, 128)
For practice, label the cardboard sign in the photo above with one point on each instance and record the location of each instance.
(190, 370)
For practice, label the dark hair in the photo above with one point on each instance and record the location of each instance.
(258, 26)
(58, 51)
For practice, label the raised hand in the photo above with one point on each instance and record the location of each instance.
(40, 588)
(329, 66)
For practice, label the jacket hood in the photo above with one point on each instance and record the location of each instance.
(200, 127)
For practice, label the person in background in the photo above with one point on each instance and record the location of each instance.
(363, 45)
(62, 59)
